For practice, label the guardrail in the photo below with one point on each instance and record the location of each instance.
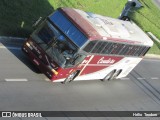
(153, 37)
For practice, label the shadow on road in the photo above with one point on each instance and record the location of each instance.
(15, 49)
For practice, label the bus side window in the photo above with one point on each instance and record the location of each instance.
(130, 50)
(107, 48)
(147, 48)
(112, 48)
(96, 47)
(142, 48)
(78, 59)
(90, 46)
(124, 50)
(117, 48)
(144, 51)
(99, 47)
(138, 51)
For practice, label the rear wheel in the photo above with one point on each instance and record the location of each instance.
(109, 76)
(117, 73)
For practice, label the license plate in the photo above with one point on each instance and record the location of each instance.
(35, 61)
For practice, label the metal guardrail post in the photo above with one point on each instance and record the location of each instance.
(153, 37)
(130, 6)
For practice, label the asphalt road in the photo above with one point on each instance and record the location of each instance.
(23, 88)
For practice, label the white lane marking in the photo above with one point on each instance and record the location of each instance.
(16, 80)
(141, 78)
(14, 48)
(155, 78)
(125, 78)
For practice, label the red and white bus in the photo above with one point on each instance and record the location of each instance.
(75, 45)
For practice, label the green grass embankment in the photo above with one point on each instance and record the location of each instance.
(148, 18)
(17, 16)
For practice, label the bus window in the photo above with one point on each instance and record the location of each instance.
(112, 47)
(124, 50)
(95, 47)
(143, 52)
(107, 48)
(102, 47)
(131, 51)
(47, 33)
(55, 44)
(146, 50)
(138, 51)
(116, 48)
(98, 47)
(90, 46)
(78, 59)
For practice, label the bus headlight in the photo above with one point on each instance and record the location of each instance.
(54, 71)
(27, 43)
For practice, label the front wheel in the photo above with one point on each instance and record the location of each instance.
(71, 77)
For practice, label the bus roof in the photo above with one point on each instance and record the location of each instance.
(98, 27)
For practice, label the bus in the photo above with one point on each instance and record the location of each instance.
(72, 44)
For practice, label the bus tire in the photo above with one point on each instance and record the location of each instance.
(117, 73)
(109, 76)
(71, 77)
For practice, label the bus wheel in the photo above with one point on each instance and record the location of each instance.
(109, 76)
(71, 77)
(117, 73)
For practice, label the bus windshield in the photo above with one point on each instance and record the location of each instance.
(56, 45)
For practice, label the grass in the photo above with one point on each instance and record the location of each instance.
(17, 16)
(110, 8)
(148, 18)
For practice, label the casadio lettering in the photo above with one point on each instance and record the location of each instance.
(108, 61)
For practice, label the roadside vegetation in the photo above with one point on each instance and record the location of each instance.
(18, 16)
(148, 18)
